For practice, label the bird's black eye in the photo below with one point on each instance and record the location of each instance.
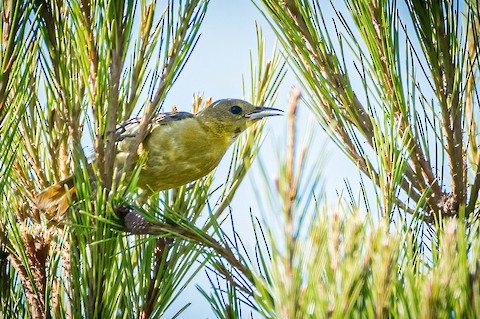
(236, 109)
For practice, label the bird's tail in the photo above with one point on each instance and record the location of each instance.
(54, 199)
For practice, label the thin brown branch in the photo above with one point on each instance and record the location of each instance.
(210, 242)
(116, 66)
(291, 182)
(137, 224)
(227, 275)
(161, 253)
(450, 97)
(290, 160)
(37, 309)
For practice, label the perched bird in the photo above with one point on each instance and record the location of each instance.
(180, 147)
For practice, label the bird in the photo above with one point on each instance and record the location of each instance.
(180, 147)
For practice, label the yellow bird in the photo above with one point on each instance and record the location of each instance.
(180, 147)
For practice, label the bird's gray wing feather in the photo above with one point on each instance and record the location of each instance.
(129, 129)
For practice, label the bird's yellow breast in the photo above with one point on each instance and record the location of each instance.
(180, 152)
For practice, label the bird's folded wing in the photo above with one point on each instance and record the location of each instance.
(129, 129)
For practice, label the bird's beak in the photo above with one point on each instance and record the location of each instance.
(261, 111)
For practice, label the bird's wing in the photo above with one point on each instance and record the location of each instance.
(129, 129)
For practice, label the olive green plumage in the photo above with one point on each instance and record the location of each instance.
(180, 147)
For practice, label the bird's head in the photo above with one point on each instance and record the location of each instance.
(233, 116)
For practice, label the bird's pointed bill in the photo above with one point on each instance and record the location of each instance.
(262, 111)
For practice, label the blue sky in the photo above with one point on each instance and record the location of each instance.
(215, 69)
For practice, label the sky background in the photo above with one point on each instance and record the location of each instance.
(221, 57)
